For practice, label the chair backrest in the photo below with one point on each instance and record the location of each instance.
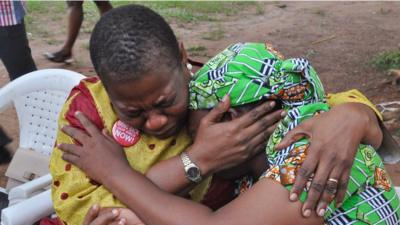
(38, 98)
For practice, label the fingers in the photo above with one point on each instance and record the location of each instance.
(267, 123)
(271, 130)
(303, 176)
(330, 191)
(71, 159)
(106, 218)
(70, 149)
(255, 114)
(216, 113)
(87, 124)
(255, 143)
(319, 180)
(92, 214)
(107, 135)
(294, 135)
(342, 187)
(260, 139)
(75, 133)
(318, 184)
(121, 221)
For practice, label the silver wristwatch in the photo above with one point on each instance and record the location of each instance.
(192, 171)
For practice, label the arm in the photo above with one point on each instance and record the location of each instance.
(73, 193)
(256, 206)
(334, 136)
(214, 157)
(242, 139)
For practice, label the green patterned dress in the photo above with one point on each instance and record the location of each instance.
(251, 72)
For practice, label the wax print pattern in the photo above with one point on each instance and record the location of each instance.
(250, 72)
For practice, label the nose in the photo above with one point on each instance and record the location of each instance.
(155, 121)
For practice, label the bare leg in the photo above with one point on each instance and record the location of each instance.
(103, 6)
(75, 18)
(74, 25)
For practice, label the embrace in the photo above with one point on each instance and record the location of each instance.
(250, 138)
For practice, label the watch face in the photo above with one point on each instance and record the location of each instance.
(193, 172)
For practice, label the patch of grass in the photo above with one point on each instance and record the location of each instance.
(197, 50)
(39, 13)
(387, 60)
(260, 10)
(52, 41)
(216, 34)
(187, 11)
(179, 11)
(48, 19)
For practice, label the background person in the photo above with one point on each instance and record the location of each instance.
(75, 18)
(14, 47)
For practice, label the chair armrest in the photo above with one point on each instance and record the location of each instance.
(33, 209)
(28, 189)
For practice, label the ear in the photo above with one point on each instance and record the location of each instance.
(184, 61)
(182, 49)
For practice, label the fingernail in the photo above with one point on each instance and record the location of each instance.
(293, 197)
(95, 207)
(307, 213)
(272, 104)
(122, 221)
(339, 204)
(77, 113)
(225, 98)
(283, 113)
(114, 212)
(321, 212)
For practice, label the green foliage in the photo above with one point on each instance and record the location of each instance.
(181, 11)
(46, 19)
(387, 60)
(216, 34)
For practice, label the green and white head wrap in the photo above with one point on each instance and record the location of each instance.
(249, 72)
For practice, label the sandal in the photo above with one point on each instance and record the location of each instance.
(59, 57)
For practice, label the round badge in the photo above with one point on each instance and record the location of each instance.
(124, 134)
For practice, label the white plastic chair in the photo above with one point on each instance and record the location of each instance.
(38, 98)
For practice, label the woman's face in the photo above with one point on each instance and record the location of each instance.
(156, 104)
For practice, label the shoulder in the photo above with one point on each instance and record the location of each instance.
(82, 99)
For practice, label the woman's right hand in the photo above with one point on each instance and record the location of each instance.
(111, 216)
(96, 216)
(221, 145)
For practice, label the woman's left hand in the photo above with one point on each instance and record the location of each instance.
(98, 155)
(334, 138)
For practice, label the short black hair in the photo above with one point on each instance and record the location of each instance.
(131, 40)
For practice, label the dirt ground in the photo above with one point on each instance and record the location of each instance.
(339, 38)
